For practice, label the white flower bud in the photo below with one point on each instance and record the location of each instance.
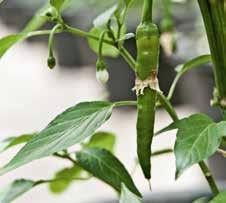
(102, 76)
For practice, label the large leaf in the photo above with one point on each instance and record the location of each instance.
(220, 198)
(108, 50)
(13, 141)
(128, 197)
(198, 138)
(103, 18)
(14, 190)
(105, 166)
(183, 68)
(64, 179)
(67, 129)
(103, 140)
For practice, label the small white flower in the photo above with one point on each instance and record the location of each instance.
(102, 76)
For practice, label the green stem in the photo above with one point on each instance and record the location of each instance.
(128, 58)
(209, 178)
(101, 41)
(123, 52)
(39, 182)
(147, 11)
(65, 156)
(125, 103)
(85, 34)
(168, 106)
(51, 38)
(161, 152)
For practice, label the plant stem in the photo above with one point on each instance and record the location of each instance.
(147, 11)
(123, 52)
(209, 178)
(129, 59)
(85, 34)
(168, 106)
(39, 182)
(161, 152)
(125, 103)
(65, 156)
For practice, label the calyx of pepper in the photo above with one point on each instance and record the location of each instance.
(150, 82)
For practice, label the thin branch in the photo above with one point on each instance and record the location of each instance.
(65, 156)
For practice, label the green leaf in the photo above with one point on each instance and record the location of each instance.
(14, 190)
(103, 140)
(220, 198)
(194, 63)
(13, 141)
(128, 197)
(201, 200)
(105, 166)
(108, 50)
(36, 22)
(197, 139)
(222, 128)
(59, 4)
(8, 41)
(183, 68)
(69, 128)
(103, 18)
(64, 179)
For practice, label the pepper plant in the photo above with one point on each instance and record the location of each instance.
(198, 136)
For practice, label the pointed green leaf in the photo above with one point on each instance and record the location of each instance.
(14, 190)
(67, 129)
(197, 139)
(103, 140)
(64, 179)
(108, 50)
(128, 197)
(103, 18)
(8, 41)
(105, 166)
(13, 141)
(196, 62)
(220, 198)
(183, 68)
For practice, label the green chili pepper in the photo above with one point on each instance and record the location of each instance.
(147, 37)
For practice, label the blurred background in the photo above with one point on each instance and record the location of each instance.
(32, 95)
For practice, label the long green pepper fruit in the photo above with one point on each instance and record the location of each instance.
(147, 37)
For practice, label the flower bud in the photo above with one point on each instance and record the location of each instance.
(51, 62)
(102, 74)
